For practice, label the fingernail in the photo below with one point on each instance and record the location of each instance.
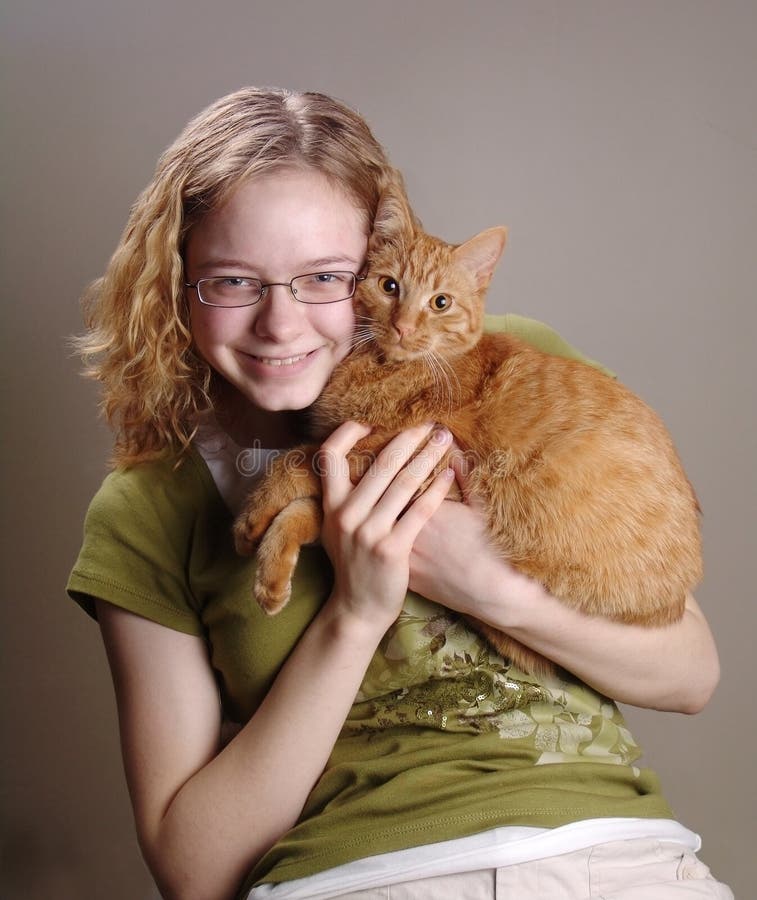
(440, 436)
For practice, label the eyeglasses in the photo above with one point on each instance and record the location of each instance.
(238, 290)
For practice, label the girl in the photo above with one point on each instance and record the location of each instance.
(377, 746)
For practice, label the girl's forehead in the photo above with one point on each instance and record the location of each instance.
(282, 220)
(301, 192)
(281, 183)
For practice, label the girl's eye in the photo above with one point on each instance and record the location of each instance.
(389, 286)
(440, 302)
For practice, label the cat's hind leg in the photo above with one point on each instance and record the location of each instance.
(297, 524)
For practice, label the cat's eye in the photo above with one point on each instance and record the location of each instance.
(440, 302)
(389, 286)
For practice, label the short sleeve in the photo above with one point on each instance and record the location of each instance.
(137, 543)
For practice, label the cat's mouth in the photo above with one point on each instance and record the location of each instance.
(399, 353)
(395, 348)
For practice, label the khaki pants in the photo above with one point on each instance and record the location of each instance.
(621, 870)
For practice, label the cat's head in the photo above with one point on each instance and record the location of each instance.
(421, 294)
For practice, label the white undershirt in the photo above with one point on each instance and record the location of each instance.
(234, 468)
(489, 850)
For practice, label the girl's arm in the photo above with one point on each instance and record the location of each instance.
(204, 815)
(672, 668)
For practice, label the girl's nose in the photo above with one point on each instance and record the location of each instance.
(279, 316)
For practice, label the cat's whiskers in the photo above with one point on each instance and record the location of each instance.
(363, 321)
(456, 395)
(440, 371)
(360, 342)
(361, 335)
(364, 330)
(438, 382)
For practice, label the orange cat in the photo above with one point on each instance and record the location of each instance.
(583, 488)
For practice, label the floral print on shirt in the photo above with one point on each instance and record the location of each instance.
(434, 670)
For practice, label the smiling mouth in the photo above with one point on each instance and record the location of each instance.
(277, 362)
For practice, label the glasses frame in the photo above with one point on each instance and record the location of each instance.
(358, 277)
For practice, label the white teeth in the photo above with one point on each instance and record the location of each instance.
(273, 361)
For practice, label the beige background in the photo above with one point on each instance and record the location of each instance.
(618, 140)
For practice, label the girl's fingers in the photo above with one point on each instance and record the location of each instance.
(373, 511)
(462, 469)
(378, 500)
(332, 465)
(331, 461)
(405, 484)
(390, 464)
(420, 510)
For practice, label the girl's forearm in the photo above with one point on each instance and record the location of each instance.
(673, 667)
(233, 809)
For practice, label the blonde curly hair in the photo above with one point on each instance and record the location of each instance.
(138, 342)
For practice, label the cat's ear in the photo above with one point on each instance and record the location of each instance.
(394, 216)
(481, 254)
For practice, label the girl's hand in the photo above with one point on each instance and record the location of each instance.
(369, 528)
(453, 562)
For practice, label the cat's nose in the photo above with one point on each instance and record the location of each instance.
(403, 329)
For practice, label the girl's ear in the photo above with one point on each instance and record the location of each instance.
(480, 254)
(393, 216)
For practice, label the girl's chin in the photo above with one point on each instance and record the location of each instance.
(281, 398)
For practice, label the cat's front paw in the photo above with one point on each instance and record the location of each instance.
(297, 524)
(252, 523)
(246, 535)
(276, 560)
(271, 593)
(290, 479)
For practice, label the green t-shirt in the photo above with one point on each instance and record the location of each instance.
(445, 737)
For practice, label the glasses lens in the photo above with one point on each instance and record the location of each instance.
(229, 291)
(324, 287)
